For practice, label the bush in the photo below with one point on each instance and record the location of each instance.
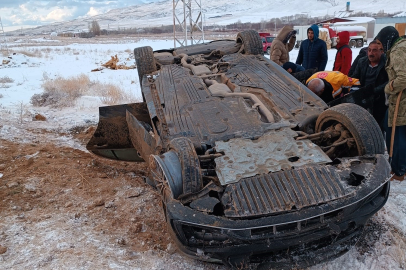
(111, 94)
(61, 92)
(6, 79)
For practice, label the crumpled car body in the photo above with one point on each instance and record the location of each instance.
(254, 170)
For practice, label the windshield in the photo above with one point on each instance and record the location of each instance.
(269, 39)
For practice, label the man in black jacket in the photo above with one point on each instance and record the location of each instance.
(363, 52)
(313, 51)
(371, 72)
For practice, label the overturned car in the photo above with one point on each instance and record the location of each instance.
(254, 170)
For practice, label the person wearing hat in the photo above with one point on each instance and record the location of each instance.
(395, 48)
(313, 51)
(282, 45)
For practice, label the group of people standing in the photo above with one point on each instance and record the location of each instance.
(379, 70)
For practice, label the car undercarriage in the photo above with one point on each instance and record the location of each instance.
(254, 170)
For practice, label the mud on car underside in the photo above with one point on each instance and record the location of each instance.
(255, 171)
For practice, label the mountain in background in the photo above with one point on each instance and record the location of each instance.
(154, 13)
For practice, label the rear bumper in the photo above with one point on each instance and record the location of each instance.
(304, 237)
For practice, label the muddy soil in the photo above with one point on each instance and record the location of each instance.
(64, 208)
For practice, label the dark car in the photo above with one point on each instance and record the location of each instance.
(254, 170)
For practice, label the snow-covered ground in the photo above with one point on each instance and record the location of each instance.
(50, 61)
(383, 247)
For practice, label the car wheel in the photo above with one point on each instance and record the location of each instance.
(191, 172)
(251, 42)
(297, 45)
(360, 43)
(178, 168)
(352, 43)
(360, 133)
(268, 51)
(144, 58)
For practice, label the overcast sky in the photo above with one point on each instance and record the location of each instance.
(16, 14)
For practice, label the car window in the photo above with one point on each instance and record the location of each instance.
(263, 40)
(269, 39)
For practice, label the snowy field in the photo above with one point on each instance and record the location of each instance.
(32, 62)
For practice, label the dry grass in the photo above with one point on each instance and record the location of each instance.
(6, 79)
(46, 50)
(111, 94)
(74, 86)
(35, 53)
(61, 92)
(4, 53)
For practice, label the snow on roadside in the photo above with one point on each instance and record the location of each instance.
(48, 62)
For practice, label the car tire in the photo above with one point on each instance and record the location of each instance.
(144, 58)
(359, 122)
(352, 43)
(298, 43)
(251, 41)
(190, 164)
(268, 50)
(360, 43)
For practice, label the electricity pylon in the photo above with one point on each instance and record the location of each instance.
(187, 22)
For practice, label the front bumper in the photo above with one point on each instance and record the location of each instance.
(304, 237)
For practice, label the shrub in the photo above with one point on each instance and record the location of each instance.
(61, 92)
(6, 79)
(111, 94)
(35, 53)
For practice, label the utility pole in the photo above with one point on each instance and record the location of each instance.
(275, 28)
(189, 21)
(4, 42)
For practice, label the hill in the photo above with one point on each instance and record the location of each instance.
(221, 12)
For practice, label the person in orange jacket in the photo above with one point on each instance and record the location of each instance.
(329, 85)
(343, 58)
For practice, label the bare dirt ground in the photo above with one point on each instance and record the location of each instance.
(63, 208)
